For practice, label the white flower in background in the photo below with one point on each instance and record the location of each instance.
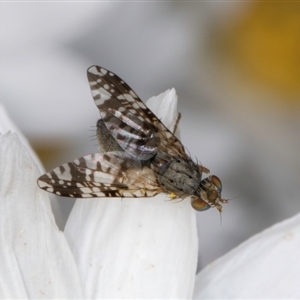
(267, 266)
(36, 261)
(134, 248)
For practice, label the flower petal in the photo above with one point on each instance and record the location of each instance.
(165, 107)
(135, 248)
(35, 259)
(267, 266)
(7, 125)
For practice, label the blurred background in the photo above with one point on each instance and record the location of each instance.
(236, 70)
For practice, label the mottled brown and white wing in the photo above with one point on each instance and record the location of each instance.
(112, 174)
(129, 120)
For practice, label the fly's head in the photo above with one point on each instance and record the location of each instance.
(209, 194)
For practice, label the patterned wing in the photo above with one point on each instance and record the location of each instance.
(114, 97)
(112, 174)
(135, 137)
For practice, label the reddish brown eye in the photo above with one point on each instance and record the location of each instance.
(216, 182)
(199, 204)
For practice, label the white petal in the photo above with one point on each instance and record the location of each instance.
(35, 259)
(7, 125)
(135, 248)
(267, 266)
(165, 107)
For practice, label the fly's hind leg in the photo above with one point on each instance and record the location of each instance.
(176, 123)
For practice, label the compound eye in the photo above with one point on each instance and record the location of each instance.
(216, 182)
(199, 204)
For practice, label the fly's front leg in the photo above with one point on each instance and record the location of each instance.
(203, 169)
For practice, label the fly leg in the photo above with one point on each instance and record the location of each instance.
(176, 123)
